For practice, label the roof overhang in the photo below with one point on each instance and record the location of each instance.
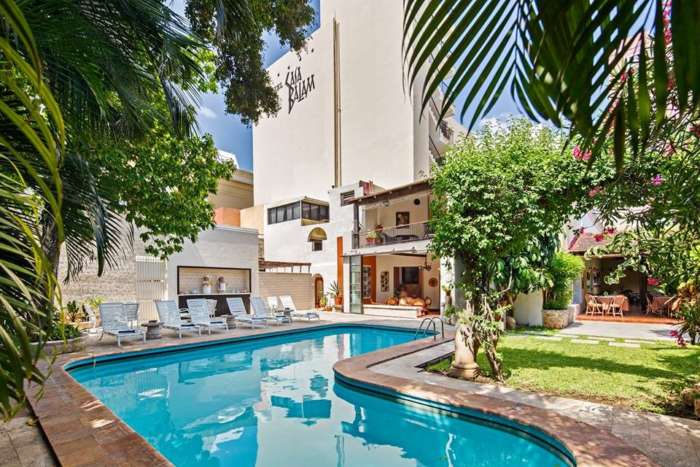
(421, 186)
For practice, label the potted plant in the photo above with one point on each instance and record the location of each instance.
(562, 272)
(335, 293)
(372, 237)
(73, 312)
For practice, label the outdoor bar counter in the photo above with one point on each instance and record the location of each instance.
(236, 283)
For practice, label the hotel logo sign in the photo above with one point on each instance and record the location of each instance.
(298, 87)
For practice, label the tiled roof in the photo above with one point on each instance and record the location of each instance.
(581, 243)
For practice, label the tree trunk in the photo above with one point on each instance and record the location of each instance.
(466, 349)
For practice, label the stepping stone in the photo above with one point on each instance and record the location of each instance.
(548, 338)
(632, 341)
(624, 344)
(584, 341)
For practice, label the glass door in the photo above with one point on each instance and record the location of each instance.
(356, 284)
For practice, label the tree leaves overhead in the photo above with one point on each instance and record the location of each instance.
(563, 61)
(235, 29)
(31, 141)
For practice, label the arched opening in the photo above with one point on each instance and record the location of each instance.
(318, 291)
(316, 238)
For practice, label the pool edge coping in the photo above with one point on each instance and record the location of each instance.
(589, 445)
(81, 430)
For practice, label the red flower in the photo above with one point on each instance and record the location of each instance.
(652, 281)
(594, 191)
(599, 237)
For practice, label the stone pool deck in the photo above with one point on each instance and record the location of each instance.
(81, 431)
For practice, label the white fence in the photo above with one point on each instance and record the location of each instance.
(150, 285)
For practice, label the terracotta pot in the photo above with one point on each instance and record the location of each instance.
(339, 300)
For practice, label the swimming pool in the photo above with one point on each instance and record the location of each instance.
(274, 402)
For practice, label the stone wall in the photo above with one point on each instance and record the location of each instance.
(299, 286)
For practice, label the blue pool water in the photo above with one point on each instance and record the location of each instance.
(274, 402)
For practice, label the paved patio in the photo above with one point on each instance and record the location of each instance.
(622, 330)
(669, 441)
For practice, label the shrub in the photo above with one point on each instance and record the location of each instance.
(563, 270)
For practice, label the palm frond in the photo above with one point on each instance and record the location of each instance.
(565, 62)
(31, 141)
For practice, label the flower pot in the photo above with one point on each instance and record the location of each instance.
(338, 300)
(69, 345)
(555, 319)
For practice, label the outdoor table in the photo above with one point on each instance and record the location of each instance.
(152, 330)
(607, 300)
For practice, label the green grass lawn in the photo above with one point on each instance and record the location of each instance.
(649, 378)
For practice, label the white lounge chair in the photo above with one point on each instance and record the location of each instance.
(132, 314)
(274, 305)
(169, 316)
(114, 323)
(199, 313)
(237, 309)
(211, 305)
(288, 304)
(261, 310)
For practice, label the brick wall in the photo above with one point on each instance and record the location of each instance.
(299, 286)
(115, 284)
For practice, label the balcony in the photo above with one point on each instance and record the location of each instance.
(393, 235)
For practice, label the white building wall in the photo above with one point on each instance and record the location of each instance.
(293, 152)
(289, 241)
(221, 247)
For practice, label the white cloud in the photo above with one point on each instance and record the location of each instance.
(206, 112)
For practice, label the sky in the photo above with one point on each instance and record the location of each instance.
(233, 136)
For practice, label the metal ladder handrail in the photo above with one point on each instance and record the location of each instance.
(431, 320)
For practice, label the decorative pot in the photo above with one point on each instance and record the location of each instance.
(69, 345)
(464, 365)
(339, 300)
(555, 319)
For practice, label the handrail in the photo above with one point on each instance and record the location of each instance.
(431, 320)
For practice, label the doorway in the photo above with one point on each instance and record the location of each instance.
(318, 291)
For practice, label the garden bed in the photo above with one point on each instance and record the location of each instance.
(649, 378)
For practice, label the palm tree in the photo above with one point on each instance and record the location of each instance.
(598, 66)
(31, 143)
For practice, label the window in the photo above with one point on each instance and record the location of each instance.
(344, 197)
(316, 237)
(314, 212)
(409, 275)
(285, 213)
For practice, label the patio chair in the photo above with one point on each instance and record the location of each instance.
(274, 305)
(132, 314)
(654, 306)
(200, 314)
(261, 310)
(595, 306)
(674, 308)
(237, 309)
(211, 304)
(169, 316)
(615, 306)
(114, 323)
(288, 305)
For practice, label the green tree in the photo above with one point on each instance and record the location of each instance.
(562, 61)
(235, 29)
(500, 197)
(31, 145)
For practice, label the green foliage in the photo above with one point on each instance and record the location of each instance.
(31, 144)
(501, 198)
(567, 62)
(562, 271)
(239, 43)
(334, 290)
(62, 331)
(162, 187)
(73, 312)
